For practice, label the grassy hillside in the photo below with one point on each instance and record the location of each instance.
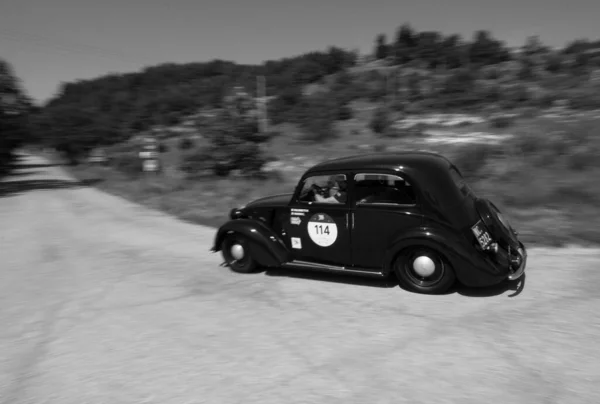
(417, 72)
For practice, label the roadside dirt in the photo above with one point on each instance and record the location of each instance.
(104, 301)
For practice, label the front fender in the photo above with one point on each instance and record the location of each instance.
(265, 246)
(472, 267)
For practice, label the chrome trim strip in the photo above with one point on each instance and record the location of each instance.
(325, 267)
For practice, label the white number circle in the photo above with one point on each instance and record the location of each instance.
(322, 230)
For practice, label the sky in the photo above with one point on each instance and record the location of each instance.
(52, 41)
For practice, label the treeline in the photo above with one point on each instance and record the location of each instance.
(109, 109)
(428, 71)
(432, 50)
(15, 112)
(414, 72)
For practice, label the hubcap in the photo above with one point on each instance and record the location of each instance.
(424, 266)
(237, 251)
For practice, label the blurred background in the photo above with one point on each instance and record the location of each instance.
(195, 139)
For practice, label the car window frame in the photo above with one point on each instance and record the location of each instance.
(400, 176)
(302, 182)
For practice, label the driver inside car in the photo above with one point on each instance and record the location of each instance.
(336, 189)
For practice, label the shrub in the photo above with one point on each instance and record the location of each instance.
(196, 163)
(399, 105)
(163, 148)
(397, 133)
(316, 116)
(391, 132)
(529, 112)
(128, 164)
(319, 129)
(235, 146)
(380, 121)
(532, 143)
(417, 107)
(344, 113)
(472, 158)
(583, 158)
(501, 122)
(186, 144)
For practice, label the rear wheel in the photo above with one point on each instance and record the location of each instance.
(424, 270)
(237, 254)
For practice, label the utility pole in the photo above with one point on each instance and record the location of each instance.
(261, 95)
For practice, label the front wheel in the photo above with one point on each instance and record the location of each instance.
(236, 253)
(424, 270)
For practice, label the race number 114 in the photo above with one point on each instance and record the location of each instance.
(320, 229)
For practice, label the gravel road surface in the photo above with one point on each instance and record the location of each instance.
(103, 301)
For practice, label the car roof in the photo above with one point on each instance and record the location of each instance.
(418, 160)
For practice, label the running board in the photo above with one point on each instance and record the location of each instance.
(332, 268)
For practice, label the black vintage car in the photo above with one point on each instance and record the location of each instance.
(408, 213)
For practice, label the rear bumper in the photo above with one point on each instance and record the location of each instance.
(487, 268)
(520, 270)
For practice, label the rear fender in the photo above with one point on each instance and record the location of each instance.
(469, 265)
(264, 244)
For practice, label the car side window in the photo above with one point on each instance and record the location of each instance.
(324, 189)
(383, 189)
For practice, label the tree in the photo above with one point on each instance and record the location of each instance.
(380, 121)
(452, 52)
(534, 47)
(485, 50)
(75, 131)
(554, 63)
(526, 69)
(15, 108)
(404, 45)
(235, 141)
(428, 48)
(164, 94)
(317, 116)
(381, 47)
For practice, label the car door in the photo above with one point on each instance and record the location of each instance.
(384, 206)
(318, 232)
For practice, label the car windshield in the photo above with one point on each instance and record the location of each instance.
(460, 182)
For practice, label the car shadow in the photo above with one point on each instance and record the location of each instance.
(516, 286)
(27, 166)
(388, 282)
(392, 282)
(11, 188)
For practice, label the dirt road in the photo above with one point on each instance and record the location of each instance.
(102, 301)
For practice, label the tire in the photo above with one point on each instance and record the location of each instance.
(236, 252)
(441, 279)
